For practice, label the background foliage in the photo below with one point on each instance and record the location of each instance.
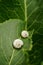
(31, 12)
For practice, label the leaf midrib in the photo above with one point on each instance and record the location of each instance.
(11, 58)
(25, 9)
(25, 6)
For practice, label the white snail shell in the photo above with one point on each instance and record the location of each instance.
(18, 43)
(24, 34)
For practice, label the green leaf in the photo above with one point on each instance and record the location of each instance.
(30, 11)
(9, 31)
